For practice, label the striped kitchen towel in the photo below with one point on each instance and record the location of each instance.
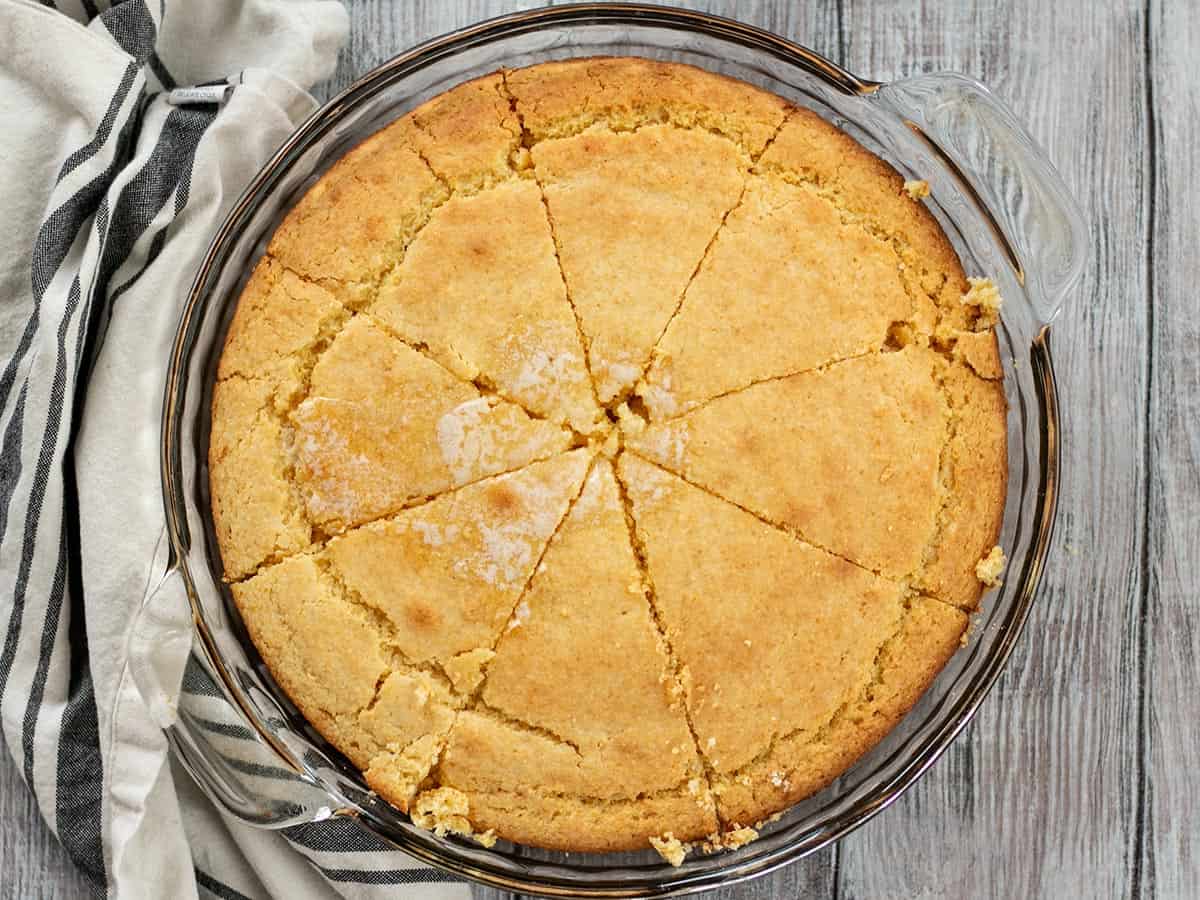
(127, 129)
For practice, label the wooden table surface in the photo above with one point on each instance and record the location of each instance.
(1080, 775)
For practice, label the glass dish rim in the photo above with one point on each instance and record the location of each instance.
(962, 711)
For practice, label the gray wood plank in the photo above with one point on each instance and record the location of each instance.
(1168, 863)
(32, 862)
(1038, 798)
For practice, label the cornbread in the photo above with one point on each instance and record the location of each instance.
(607, 454)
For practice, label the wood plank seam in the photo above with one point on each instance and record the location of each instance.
(1140, 825)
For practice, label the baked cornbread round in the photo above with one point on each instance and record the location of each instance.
(607, 454)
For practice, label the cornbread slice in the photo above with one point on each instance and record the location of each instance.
(280, 322)
(866, 189)
(447, 574)
(579, 738)
(806, 760)
(633, 213)
(483, 747)
(355, 223)
(480, 287)
(356, 220)
(383, 425)
(821, 291)
(467, 135)
(774, 635)
(847, 456)
(329, 657)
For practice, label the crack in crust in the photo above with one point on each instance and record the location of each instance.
(778, 526)
(390, 638)
(474, 700)
(790, 531)
(676, 669)
(810, 370)
(477, 694)
(823, 730)
(945, 483)
(650, 357)
(526, 146)
(317, 546)
(485, 709)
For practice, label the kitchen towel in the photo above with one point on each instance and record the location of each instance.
(127, 129)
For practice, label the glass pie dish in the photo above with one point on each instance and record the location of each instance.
(998, 199)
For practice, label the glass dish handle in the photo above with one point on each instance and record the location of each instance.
(231, 762)
(1037, 217)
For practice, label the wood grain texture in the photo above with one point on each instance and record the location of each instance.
(1039, 797)
(1168, 860)
(32, 863)
(1077, 777)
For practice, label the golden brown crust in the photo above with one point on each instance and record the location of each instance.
(846, 456)
(382, 425)
(468, 135)
(809, 148)
(480, 287)
(326, 653)
(561, 98)
(279, 317)
(616, 709)
(577, 825)
(257, 513)
(447, 574)
(353, 223)
(406, 408)
(824, 290)
(803, 763)
(975, 472)
(773, 634)
(610, 733)
(633, 212)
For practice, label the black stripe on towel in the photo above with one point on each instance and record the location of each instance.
(197, 681)
(37, 491)
(104, 129)
(79, 808)
(60, 229)
(217, 888)
(167, 170)
(226, 729)
(132, 27)
(337, 835)
(45, 653)
(388, 876)
(159, 68)
(10, 458)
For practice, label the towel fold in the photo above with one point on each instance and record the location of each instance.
(114, 174)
